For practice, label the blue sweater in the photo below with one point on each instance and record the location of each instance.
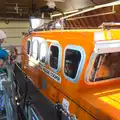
(3, 53)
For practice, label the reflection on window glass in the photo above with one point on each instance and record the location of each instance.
(54, 54)
(43, 52)
(106, 66)
(28, 47)
(34, 49)
(72, 60)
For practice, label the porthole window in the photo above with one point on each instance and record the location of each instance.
(35, 49)
(55, 57)
(43, 52)
(106, 67)
(74, 61)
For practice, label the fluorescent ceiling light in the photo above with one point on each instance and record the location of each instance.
(108, 4)
(65, 13)
(56, 0)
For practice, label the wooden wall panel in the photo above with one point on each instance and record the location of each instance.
(94, 22)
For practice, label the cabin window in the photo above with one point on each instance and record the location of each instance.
(35, 49)
(28, 47)
(74, 61)
(43, 52)
(106, 66)
(55, 57)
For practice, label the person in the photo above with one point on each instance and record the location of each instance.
(2, 37)
(3, 53)
(3, 56)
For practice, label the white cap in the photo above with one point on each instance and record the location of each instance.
(2, 35)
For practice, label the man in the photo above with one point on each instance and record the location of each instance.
(3, 53)
(3, 56)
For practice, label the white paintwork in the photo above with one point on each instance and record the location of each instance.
(107, 46)
(99, 36)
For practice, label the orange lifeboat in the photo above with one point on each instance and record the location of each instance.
(79, 69)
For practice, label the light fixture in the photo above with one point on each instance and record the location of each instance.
(36, 22)
(65, 13)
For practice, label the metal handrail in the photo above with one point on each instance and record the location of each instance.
(109, 24)
(9, 94)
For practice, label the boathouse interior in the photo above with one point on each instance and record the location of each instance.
(28, 102)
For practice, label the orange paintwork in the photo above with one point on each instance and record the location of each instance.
(88, 101)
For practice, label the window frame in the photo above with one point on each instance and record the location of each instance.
(28, 40)
(81, 63)
(34, 40)
(30, 51)
(89, 68)
(59, 56)
(46, 58)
